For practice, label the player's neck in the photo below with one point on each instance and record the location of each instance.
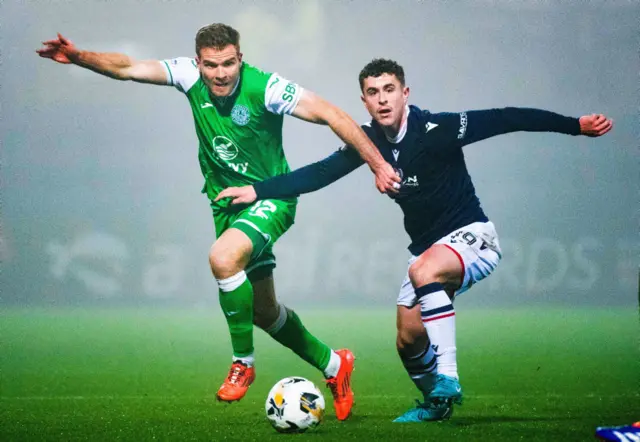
(394, 133)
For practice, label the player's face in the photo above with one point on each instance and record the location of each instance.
(220, 69)
(385, 99)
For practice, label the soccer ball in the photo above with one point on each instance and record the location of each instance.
(294, 405)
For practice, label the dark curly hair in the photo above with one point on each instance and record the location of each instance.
(380, 66)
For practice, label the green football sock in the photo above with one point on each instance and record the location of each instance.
(295, 336)
(237, 306)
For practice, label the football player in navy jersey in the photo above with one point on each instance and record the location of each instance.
(453, 243)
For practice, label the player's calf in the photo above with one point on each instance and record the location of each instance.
(414, 349)
(421, 368)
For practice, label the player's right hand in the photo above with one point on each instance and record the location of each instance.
(387, 180)
(59, 49)
(238, 195)
(595, 125)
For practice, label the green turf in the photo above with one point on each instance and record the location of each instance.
(542, 375)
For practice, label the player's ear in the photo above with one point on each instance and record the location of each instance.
(405, 93)
(239, 57)
(362, 98)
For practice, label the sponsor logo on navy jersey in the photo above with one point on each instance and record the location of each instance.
(411, 181)
(463, 125)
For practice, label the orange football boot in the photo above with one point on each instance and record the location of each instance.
(340, 385)
(237, 383)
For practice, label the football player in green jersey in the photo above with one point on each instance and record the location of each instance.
(238, 112)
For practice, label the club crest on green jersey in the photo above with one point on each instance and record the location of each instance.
(240, 114)
(224, 148)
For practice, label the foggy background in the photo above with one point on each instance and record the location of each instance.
(100, 185)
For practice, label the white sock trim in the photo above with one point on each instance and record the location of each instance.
(232, 282)
(246, 360)
(333, 366)
(280, 320)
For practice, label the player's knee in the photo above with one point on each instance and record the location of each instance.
(223, 265)
(265, 317)
(424, 272)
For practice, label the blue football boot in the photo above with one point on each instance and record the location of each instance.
(427, 411)
(624, 433)
(446, 389)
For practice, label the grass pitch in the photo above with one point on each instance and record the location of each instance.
(544, 374)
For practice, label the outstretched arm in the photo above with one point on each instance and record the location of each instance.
(114, 65)
(317, 110)
(482, 124)
(304, 180)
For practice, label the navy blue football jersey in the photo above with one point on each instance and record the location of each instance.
(436, 194)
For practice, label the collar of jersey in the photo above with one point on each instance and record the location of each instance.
(403, 128)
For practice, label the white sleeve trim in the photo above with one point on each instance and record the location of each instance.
(281, 96)
(182, 72)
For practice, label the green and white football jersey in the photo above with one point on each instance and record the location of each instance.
(240, 136)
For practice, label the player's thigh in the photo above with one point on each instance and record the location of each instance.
(477, 249)
(265, 222)
(436, 264)
(245, 237)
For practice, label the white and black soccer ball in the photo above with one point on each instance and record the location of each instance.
(294, 405)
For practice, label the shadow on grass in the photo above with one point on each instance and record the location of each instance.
(461, 421)
(467, 421)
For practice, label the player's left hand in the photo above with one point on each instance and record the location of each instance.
(387, 180)
(238, 195)
(595, 125)
(59, 49)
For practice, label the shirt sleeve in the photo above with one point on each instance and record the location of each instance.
(182, 72)
(281, 96)
(476, 125)
(311, 177)
(448, 127)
